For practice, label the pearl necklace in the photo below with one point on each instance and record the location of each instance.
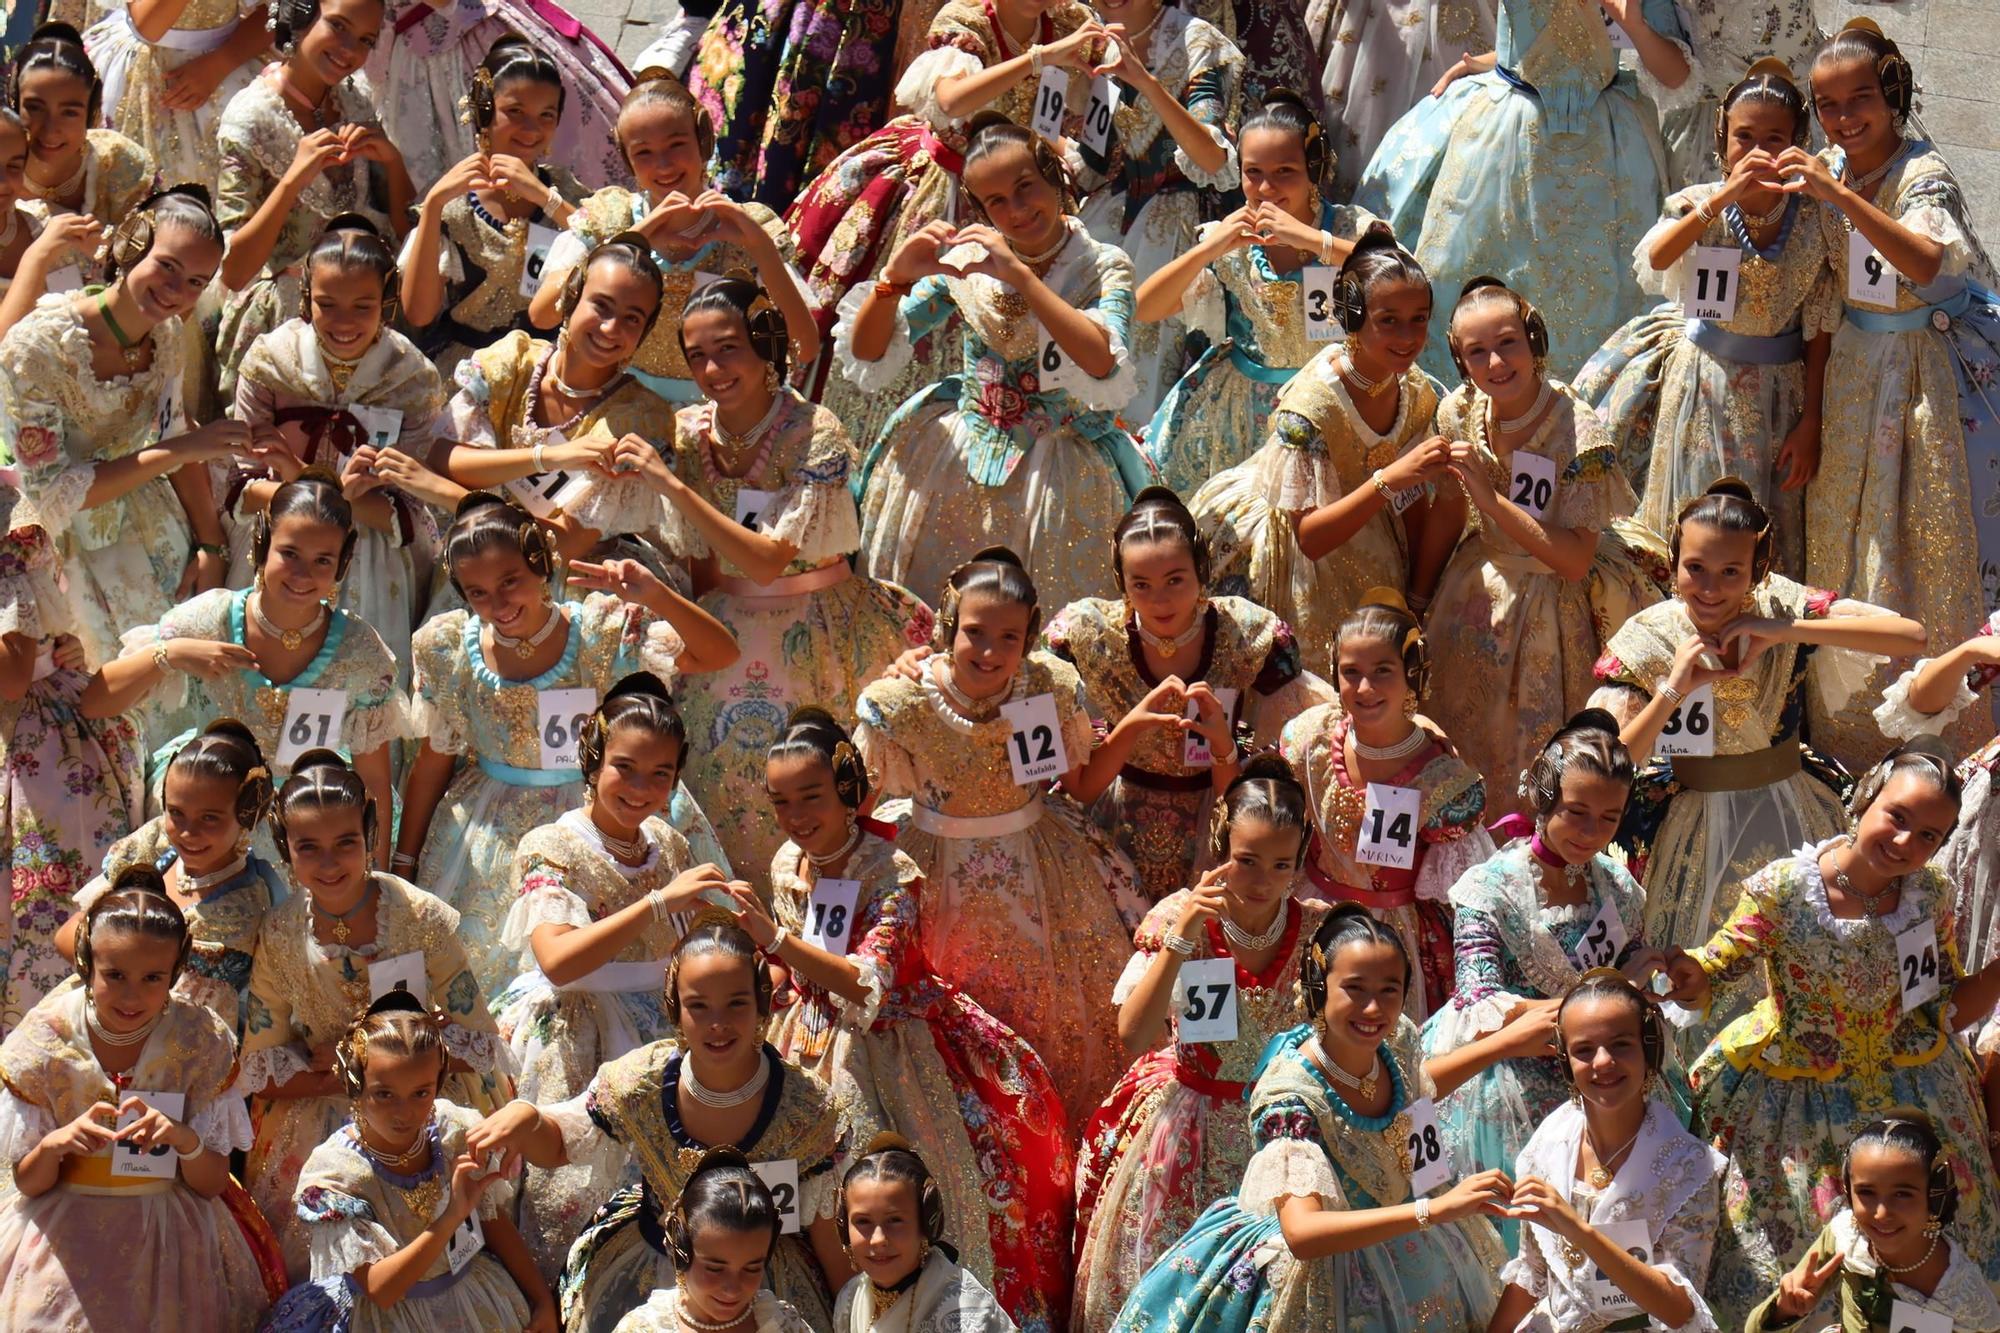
(562, 387)
(735, 443)
(119, 1039)
(681, 1313)
(956, 712)
(631, 851)
(841, 853)
(60, 191)
(546, 366)
(1167, 647)
(396, 1162)
(1862, 182)
(1868, 901)
(722, 1101)
(1036, 261)
(525, 648)
(1907, 1268)
(1240, 938)
(1364, 1085)
(1507, 426)
(1402, 749)
(292, 639)
(199, 884)
(1766, 219)
(1369, 388)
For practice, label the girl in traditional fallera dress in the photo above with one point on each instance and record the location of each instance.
(902, 1050)
(117, 1120)
(355, 397)
(604, 893)
(410, 1233)
(1687, 400)
(90, 412)
(1891, 1255)
(893, 1222)
(170, 68)
(1023, 447)
(1521, 610)
(1171, 1138)
(484, 678)
(33, 246)
(1326, 508)
(1169, 646)
(1538, 162)
(74, 166)
(216, 792)
(874, 198)
(1027, 902)
(1618, 1205)
(1722, 39)
(1327, 1228)
(1727, 806)
(1241, 285)
(1849, 1029)
(347, 933)
(1372, 736)
(250, 650)
(1910, 445)
(696, 233)
(662, 1105)
(1167, 146)
(300, 146)
(758, 482)
(723, 1231)
(475, 254)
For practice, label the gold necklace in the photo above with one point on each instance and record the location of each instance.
(55, 194)
(1605, 1172)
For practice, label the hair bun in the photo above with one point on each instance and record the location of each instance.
(1280, 95)
(1382, 595)
(56, 31)
(1733, 485)
(718, 1158)
(351, 222)
(396, 1001)
(1589, 719)
(888, 1141)
(1772, 66)
(1861, 23)
(235, 730)
(1376, 237)
(811, 715)
(983, 121)
(1266, 766)
(639, 682)
(1159, 495)
(139, 877)
(319, 758)
(478, 500)
(999, 555)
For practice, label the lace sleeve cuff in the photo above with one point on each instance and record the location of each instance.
(436, 725)
(543, 902)
(57, 500)
(479, 1051)
(1297, 476)
(1703, 1320)
(568, 251)
(346, 1243)
(660, 650)
(1115, 390)
(860, 1016)
(1202, 307)
(1135, 971)
(820, 520)
(269, 1068)
(587, 1146)
(1457, 1025)
(1900, 721)
(819, 1197)
(917, 89)
(1673, 99)
(1937, 222)
(1843, 673)
(1223, 177)
(1288, 1168)
(373, 726)
(1665, 282)
(1525, 1271)
(23, 1124)
(224, 1125)
(870, 376)
(615, 506)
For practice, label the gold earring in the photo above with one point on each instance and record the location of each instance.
(1410, 704)
(770, 378)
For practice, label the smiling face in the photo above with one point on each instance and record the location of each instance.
(1365, 985)
(663, 150)
(992, 638)
(1274, 171)
(637, 778)
(611, 316)
(1714, 574)
(1606, 1053)
(174, 272)
(1161, 584)
(131, 977)
(303, 561)
(1753, 125)
(1847, 98)
(809, 810)
(1585, 819)
(525, 114)
(201, 819)
(340, 41)
(727, 1270)
(346, 307)
(1905, 826)
(1016, 199)
(1399, 319)
(397, 1094)
(1263, 866)
(884, 1228)
(1888, 1190)
(501, 590)
(1492, 342)
(725, 367)
(56, 106)
(328, 854)
(719, 1018)
(1373, 683)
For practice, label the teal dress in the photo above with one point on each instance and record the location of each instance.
(1544, 172)
(1232, 1273)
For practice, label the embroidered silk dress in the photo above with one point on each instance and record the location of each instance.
(1910, 446)
(1699, 826)
(1171, 1138)
(1962, 1296)
(1232, 1272)
(631, 1110)
(1687, 401)
(1025, 900)
(1254, 319)
(1543, 172)
(1316, 450)
(1724, 40)
(287, 382)
(814, 635)
(104, 1251)
(945, 1299)
(922, 1059)
(1158, 807)
(117, 174)
(1785, 1086)
(1153, 194)
(1515, 640)
(994, 455)
(558, 1036)
(134, 74)
(303, 996)
(1449, 840)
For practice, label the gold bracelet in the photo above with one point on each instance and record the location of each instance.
(1383, 486)
(1035, 57)
(160, 656)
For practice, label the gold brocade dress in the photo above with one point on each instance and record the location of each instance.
(117, 174)
(133, 74)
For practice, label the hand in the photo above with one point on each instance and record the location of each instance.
(1081, 50)
(221, 438)
(1798, 456)
(506, 1130)
(1798, 1290)
(1459, 70)
(319, 1058)
(1423, 462)
(1752, 635)
(673, 216)
(592, 452)
(1804, 173)
(154, 1129)
(1535, 1200)
(683, 891)
(1470, 469)
(270, 450)
(203, 571)
(88, 1133)
(1688, 674)
(406, 474)
(193, 83)
(359, 477)
(469, 1183)
(209, 660)
(917, 257)
(910, 666)
(1531, 1030)
(1122, 58)
(1275, 226)
(364, 143)
(1755, 170)
(518, 179)
(1691, 985)
(1206, 901)
(1211, 719)
(463, 177)
(719, 210)
(752, 915)
(543, 1319)
(636, 456)
(1000, 263)
(67, 653)
(1237, 231)
(1163, 706)
(67, 235)
(1640, 965)
(1487, 1192)
(629, 579)
(316, 152)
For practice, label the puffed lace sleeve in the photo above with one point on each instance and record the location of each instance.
(1111, 311)
(1669, 282)
(545, 900)
(1203, 306)
(204, 616)
(32, 421)
(342, 1232)
(1592, 490)
(1298, 475)
(1293, 1162)
(1459, 846)
(954, 51)
(927, 306)
(468, 417)
(1147, 942)
(1899, 720)
(645, 642)
(1932, 207)
(438, 693)
(1685, 1244)
(1664, 18)
(28, 565)
(23, 1124)
(587, 1140)
(377, 711)
(892, 770)
(569, 248)
(816, 512)
(1841, 673)
(1217, 64)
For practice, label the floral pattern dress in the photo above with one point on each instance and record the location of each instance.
(305, 994)
(1519, 640)
(134, 73)
(1317, 449)
(1449, 841)
(1254, 319)
(69, 1258)
(1171, 1138)
(1025, 900)
(1232, 1271)
(558, 1036)
(814, 635)
(1158, 807)
(994, 456)
(1785, 1086)
(72, 785)
(945, 1299)
(631, 1112)
(1688, 401)
(922, 1059)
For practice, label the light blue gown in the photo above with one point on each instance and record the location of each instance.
(1543, 173)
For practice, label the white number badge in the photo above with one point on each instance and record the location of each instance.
(1917, 964)
(1054, 368)
(1316, 293)
(1690, 730)
(1870, 277)
(1194, 746)
(1097, 117)
(830, 914)
(68, 278)
(1051, 102)
(535, 259)
(1533, 485)
(383, 426)
(751, 504)
(1430, 1159)
(1209, 987)
(1602, 940)
(403, 972)
(542, 493)
(1636, 1239)
(1390, 818)
(312, 722)
(131, 1162)
(782, 1179)
(1035, 747)
(559, 719)
(1714, 273)
(465, 1243)
(1620, 39)
(1907, 1318)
